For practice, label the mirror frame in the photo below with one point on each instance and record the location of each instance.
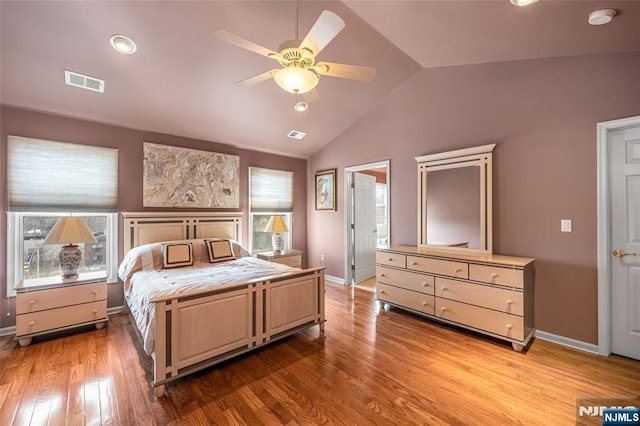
(478, 156)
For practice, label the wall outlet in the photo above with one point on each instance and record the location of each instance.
(322, 259)
(565, 225)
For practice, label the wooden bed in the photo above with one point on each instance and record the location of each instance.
(255, 313)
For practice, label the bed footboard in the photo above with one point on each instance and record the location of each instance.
(196, 332)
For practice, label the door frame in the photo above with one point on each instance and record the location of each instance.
(605, 309)
(348, 211)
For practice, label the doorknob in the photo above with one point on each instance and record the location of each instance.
(619, 253)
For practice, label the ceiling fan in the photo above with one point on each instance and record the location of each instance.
(299, 72)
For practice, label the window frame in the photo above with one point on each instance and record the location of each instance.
(15, 249)
(286, 236)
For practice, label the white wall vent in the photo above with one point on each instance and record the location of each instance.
(83, 81)
(296, 134)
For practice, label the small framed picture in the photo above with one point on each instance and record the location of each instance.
(326, 190)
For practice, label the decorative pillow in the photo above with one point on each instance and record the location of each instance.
(175, 255)
(219, 250)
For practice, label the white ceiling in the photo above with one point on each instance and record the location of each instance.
(181, 79)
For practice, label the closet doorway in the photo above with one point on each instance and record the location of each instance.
(366, 218)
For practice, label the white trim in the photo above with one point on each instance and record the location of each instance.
(458, 154)
(115, 310)
(566, 341)
(604, 238)
(8, 331)
(334, 279)
(348, 208)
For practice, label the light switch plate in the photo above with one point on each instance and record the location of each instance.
(565, 225)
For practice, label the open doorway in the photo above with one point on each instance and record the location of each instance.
(366, 219)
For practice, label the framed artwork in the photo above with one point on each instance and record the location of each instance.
(326, 190)
(182, 177)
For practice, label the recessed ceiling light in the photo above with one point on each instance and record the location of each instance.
(523, 2)
(601, 17)
(123, 44)
(301, 106)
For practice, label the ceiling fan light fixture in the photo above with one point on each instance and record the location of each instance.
(301, 106)
(296, 80)
(522, 2)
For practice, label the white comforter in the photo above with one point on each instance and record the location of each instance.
(147, 286)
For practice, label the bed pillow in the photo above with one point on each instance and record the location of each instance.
(219, 250)
(176, 255)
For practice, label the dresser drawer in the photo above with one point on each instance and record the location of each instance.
(295, 261)
(406, 298)
(495, 322)
(476, 294)
(391, 259)
(46, 299)
(36, 322)
(405, 279)
(497, 275)
(439, 267)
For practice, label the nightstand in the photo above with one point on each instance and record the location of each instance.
(286, 257)
(46, 308)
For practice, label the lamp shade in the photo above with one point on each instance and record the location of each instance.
(296, 79)
(69, 230)
(276, 224)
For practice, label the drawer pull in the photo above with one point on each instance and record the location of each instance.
(382, 292)
(509, 301)
(494, 275)
(390, 259)
(457, 270)
(382, 275)
(32, 302)
(32, 323)
(443, 288)
(425, 284)
(509, 326)
(443, 309)
(94, 292)
(95, 311)
(414, 263)
(424, 303)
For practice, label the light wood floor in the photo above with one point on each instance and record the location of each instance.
(371, 367)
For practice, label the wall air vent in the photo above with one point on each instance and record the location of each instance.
(296, 134)
(83, 81)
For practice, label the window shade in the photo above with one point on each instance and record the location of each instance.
(57, 176)
(270, 190)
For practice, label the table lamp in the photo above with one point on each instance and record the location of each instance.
(276, 225)
(70, 230)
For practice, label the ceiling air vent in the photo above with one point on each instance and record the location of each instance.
(83, 81)
(296, 134)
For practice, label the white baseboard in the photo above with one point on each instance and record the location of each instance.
(7, 331)
(334, 279)
(566, 341)
(115, 310)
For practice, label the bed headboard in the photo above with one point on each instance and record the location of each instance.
(151, 227)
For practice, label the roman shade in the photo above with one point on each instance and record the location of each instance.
(44, 175)
(270, 190)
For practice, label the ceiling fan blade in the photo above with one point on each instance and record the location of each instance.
(351, 72)
(311, 96)
(323, 31)
(256, 78)
(246, 44)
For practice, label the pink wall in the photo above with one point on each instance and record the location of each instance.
(542, 114)
(129, 143)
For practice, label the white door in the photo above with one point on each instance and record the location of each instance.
(364, 226)
(625, 241)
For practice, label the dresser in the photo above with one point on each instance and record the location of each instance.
(53, 307)
(286, 257)
(489, 294)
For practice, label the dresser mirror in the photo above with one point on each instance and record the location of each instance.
(455, 200)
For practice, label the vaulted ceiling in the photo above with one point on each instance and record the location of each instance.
(180, 81)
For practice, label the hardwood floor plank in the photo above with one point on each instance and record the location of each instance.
(371, 367)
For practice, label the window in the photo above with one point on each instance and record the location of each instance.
(382, 215)
(270, 193)
(46, 181)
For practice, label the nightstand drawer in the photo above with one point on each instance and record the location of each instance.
(295, 261)
(40, 300)
(61, 317)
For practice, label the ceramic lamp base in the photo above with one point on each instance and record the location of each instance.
(70, 257)
(278, 242)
